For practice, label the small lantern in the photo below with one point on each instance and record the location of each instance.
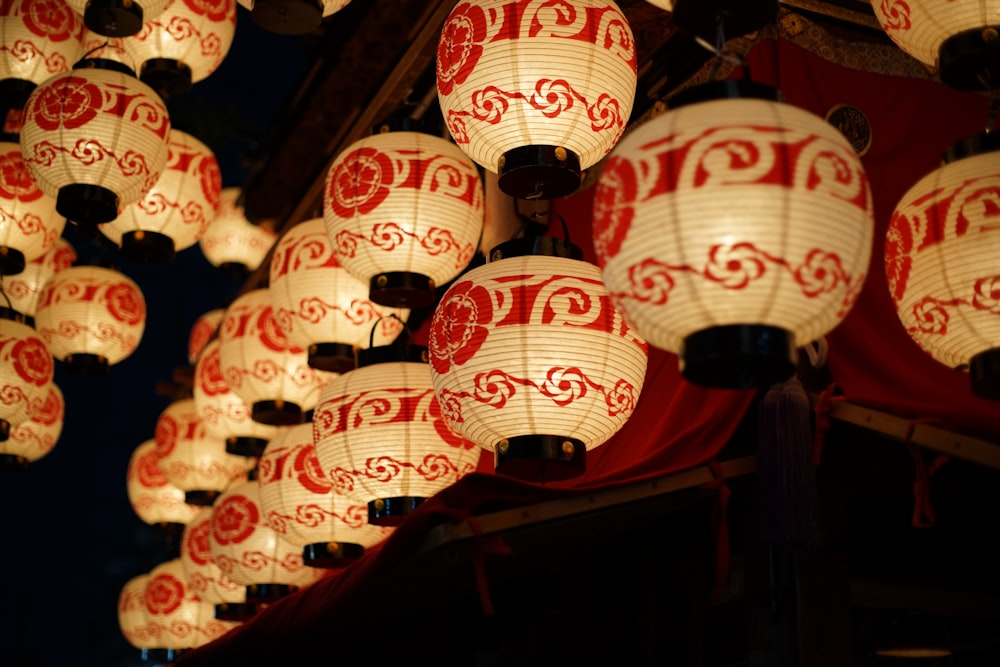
(41, 38)
(26, 372)
(291, 17)
(202, 332)
(117, 18)
(153, 497)
(205, 578)
(536, 94)
(404, 213)
(320, 306)
(91, 317)
(941, 264)
(132, 614)
(381, 437)
(232, 242)
(31, 440)
(95, 138)
(183, 621)
(29, 224)
(300, 503)
(175, 212)
(734, 290)
(24, 288)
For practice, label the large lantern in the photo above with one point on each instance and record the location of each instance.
(29, 223)
(117, 18)
(153, 497)
(404, 213)
(734, 289)
(182, 619)
(381, 437)
(941, 262)
(91, 317)
(24, 288)
(204, 576)
(320, 306)
(132, 617)
(262, 367)
(291, 17)
(41, 38)
(26, 372)
(233, 243)
(536, 92)
(531, 360)
(202, 331)
(31, 440)
(176, 211)
(300, 502)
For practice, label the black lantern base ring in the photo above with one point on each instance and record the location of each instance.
(401, 289)
(739, 356)
(113, 18)
(200, 497)
(87, 204)
(13, 462)
(970, 59)
(11, 261)
(392, 511)
(331, 555)
(147, 247)
(161, 656)
(14, 93)
(984, 374)
(332, 357)
(86, 364)
(540, 458)
(539, 171)
(287, 17)
(246, 445)
(167, 76)
(266, 593)
(276, 413)
(234, 611)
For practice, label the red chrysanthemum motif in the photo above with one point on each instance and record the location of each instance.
(15, 179)
(164, 594)
(147, 468)
(896, 13)
(612, 211)
(70, 102)
(51, 410)
(987, 294)
(165, 434)
(460, 46)
(234, 519)
(214, 10)
(210, 378)
(125, 303)
(460, 325)
(197, 546)
(51, 19)
(734, 266)
(210, 178)
(271, 334)
(33, 361)
(359, 182)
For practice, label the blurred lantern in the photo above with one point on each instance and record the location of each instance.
(95, 138)
(505, 385)
(153, 497)
(299, 502)
(132, 616)
(29, 223)
(381, 438)
(202, 332)
(40, 38)
(31, 440)
(734, 290)
(941, 264)
(320, 306)
(91, 317)
(175, 212)
(191, 459)
(117, 18)
(251, 553)
(24, 288)
(232, 242)
(291, 17)
(536, 93)
(262, 367)
(404, 213)
(26, 371)
(205, 578)
(224, 414)
(184, 44)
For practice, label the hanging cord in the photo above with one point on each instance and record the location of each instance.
(817, 351)
(821, 422)
(923, 511)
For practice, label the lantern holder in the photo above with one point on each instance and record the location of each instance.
(738, 356)
(147, 247)
(235, 271)
(113, 18)
(970, 60)
(277, 413)
(167, 76)
(541, 458)
(332, 357)
(86, 364)
(539, 171)
(14, 93)
(984, 374)
(234, 611)
(11, 462)
(401, 289)
(287, 17)
(398, 350)
(87, 204)
(548, 246)
(245, 445)
(11, 261)
(331, 555)
(267, 593)
(201, 497)
(392, 511)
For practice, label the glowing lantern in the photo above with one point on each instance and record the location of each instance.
(95, 138)
(205, 578)
(320, 306)
(232, 242)
(24, 288)
(153, 497)
(26, 371)
(202, 332)
(31, 440)
(381, 438)
(117, 18)
(132, 614)
(91, 317)
(181, 619)
(734, 290)
(941, 262)
(40, 38)
(536, 93)
(300, 503)
(404, 213)
(29, 224)
(292, 17)
(176, 211)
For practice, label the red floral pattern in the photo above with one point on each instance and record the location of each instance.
(33, 361)
(359, 182)
(613, 212)
(234, 519)
(70, 102)
(51, 19)
(196, 545)
(164, 594)
(460, 325)
(214, 10)
(125, 303)
(309, 472)
(895, 14)
(16, 181)
(147, 468)
(460, 46)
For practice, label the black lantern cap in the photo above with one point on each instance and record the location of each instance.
(969, 60)
(245, 445)
(332, 357)
(10, 462)
(266, 593)
(201, 497)
(234, 611)
(87, 204)
(14, 93)
(11, 261)
(738, 356)
(984, 374)
(287, 17)
(148, 247)
(277, 413)
(113, 18)
(160, 656)
(331, 555)
(167, 76)
(401, 289)
(540, 458)
(539, 171)
(392, 511)
(86, 364)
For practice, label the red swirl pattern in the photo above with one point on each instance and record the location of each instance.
(895, 15)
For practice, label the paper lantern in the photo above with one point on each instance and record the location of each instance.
(404, 213)
(41, 38)
(941, 264)
(262, 367)
(182, 620)
(117, 18)
(95, 138)
(301, 504)
(32, 439)
(292, 17)
(223, 413)
(320, 306)
(24, 288)
(536, 92)
(205, 578)
(132, 613)
(232, 242)
(202, 331)
(251, 553)
(153, 497)
(191, 459)
(26, 372)
(29, 224)
(734, 290)
(91, 317)
(176, 211)
(530, 359)
(381, 437)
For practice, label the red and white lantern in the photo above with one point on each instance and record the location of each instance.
(153, 497)
(301, 504)
(262, 367)
(320, 306)
(176, 211)
(182, 620)
(39, 38)
(404, 213)
(24, 288)
(31, 440)
(232, 242)
(381, 438)
(734, 290)
(202, 331)
(26, 372)
(205, 578)
(536, 92)
(29, 223)
(117, 18)
(191, 459)
(95, 138)
(132, 613)
(91, 317)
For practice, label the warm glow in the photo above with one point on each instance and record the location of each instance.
(222, 412)
(203, 575)
(34, 438)
(24, 288)
(26, 372)
(40, 38)
(28, 219)
(232, 239)
(920, 26)
(132, 613)
(181, 620)
(153, 497)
